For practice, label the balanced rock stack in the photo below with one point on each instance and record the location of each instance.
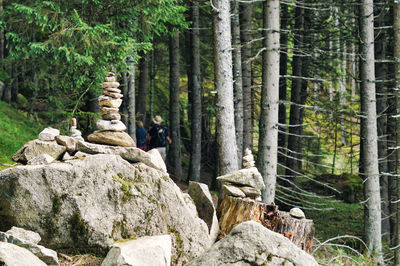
(243, 183)
(74, 132)
(110, 128)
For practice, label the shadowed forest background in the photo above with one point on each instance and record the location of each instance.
(310, 87)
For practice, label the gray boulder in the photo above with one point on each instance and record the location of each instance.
(247, 177)
(250, 243)
(11, 255)
(28, 240)
(37, 147)
(41, 159)
(49, 133)
(205, 207)
(92, 202)
(26, 235)
(144, 251)
(131, 154)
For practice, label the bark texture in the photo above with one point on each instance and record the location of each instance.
(226, 141)
(246, 16)
(195, 157)
(174, 115)
(396, 29)
(131, 123)
(143, 85)
(369, 159)
(268, 140)
(237, 79)
(233, 211)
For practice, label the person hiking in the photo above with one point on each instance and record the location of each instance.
(141, 134)
(158, 137)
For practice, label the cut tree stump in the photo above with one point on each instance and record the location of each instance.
(232, 211)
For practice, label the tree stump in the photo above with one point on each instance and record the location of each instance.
(232, 211)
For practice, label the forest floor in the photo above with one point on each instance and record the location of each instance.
(339, 218)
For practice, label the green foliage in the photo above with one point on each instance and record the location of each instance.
(67, 47)
(17, 130)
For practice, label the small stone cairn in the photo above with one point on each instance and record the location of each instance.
(110, 128)
(74, 132)
(243, 183)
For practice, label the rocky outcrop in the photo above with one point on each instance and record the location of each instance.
(37, 147)
(252, 244)
(205, 207)
(144, 251)
(11, 255)
(151, 158)
(92, 202)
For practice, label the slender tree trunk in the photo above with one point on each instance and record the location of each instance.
(237, 77)
(396, 54)
(143, 85)
(174, 108)
(295, 98)
(131, 100)
(226, 141)
(1, 36)
(195, 157)
(246, 16)
(268, 140)
(152, 77)
(381, 106)
(369, 144)
(283, 82)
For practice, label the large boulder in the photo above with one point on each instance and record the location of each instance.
(201, 196)
(37, 147)
(151, 158)
(94, 201)
(144, 251)
(250, 243)
(11, 255)
(245, 177)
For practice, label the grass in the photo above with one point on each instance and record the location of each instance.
(16, 130)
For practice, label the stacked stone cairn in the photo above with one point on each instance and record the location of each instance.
(110, 128)
(74, 132)
(243, 183)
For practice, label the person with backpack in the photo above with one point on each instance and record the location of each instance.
(141, 134)
(158, 137)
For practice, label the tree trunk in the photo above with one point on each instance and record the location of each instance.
(226, 141)
(381, 106)
(268, 140)
(152, 77)
(369, 157)
(237, 80)
(283, 82)
(195, 156)
(233, 211)
(295, 98)
(174, 108)
(246, 16)
(131, 100)
(1, 36)
(143, 84)
(396, 54)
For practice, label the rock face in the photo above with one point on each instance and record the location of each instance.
(11, 255)
(49, 133)
(145, 251)
(246, 177)
(92, 202)
(205, 207)
(252, 244)
(26, 235)
(37, 147)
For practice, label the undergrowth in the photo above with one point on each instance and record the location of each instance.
(16, 130)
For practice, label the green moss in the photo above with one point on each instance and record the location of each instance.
(125, 240)
(165, 178)
(57, 204)
(79, 228)
(126, 186)
(179, 243)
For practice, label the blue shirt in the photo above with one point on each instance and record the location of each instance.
(141, 137)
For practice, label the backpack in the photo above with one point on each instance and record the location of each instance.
(160, 137)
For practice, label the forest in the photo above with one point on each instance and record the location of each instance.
(311, 87)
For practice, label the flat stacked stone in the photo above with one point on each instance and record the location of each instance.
(110, 129)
